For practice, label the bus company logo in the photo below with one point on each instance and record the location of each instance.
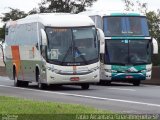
(9, 117)
(132, 69)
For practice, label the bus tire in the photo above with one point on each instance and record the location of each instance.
(108, 83)
(101, 82)
(137, 83)
(25, 83)
(105, 82)
(42, 86)
(85, 86)
(18, 83)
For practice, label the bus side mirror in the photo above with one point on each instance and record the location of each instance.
(101, 39)
(44, 37)
(155, 46)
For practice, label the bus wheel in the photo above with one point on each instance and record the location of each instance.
(108, 83)
(17, 83)
(105, 82)
(137, 83)
(42, 86)
(85, 86)
(24, 83)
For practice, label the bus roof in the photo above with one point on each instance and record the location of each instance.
(111, 13)
(55, 20)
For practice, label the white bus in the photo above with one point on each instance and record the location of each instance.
(53, 48)
(128, 46)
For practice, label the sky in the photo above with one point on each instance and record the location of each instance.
(119, 5)
(27, 5)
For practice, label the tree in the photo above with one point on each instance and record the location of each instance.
(2, 34)
(33, 11)
(14, 14)
(128, 5)
(132, 5)
(154, 24)
(67, 6)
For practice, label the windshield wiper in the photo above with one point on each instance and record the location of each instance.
(140, 62)
(64, 58)
(84, 59)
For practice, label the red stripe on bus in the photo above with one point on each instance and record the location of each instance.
(16, 59)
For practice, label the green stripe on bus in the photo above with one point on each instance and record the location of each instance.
(134, 38)
(125, 14)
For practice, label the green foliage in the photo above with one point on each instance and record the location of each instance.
(2, 33)
(14, 14)
(130, 6)
(33, 11)
(154, 24)
(67, 6)
(154, 29)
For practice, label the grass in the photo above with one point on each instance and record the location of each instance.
(38, 110)
(22, 109)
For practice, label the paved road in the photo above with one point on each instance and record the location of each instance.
(122, 98)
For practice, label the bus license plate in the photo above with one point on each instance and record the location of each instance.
(74, 78)
(129, 77)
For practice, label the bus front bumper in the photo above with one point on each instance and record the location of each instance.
(127, 76)
(53, 78)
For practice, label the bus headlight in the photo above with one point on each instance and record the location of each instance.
(50, 68)
(53, 70)
(94, 69)
(147, 70)
(56, 71)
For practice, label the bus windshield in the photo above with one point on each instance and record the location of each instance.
(125, 26)
(128, 52)
(72, 46)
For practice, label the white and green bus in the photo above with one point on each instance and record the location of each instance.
(53, 49)
(128, 46)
